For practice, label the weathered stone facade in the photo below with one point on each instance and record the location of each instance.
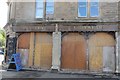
(64, 11)
(22, 20)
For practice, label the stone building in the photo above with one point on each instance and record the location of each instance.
(81, 35)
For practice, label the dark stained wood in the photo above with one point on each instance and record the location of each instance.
(24, 41)
(73, 52)
(64, 26)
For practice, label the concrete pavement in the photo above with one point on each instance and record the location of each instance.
(47, 74)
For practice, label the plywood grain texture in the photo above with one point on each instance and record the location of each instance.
(24, 41)
(43, 51)
(95, 58)
(37, 51)
(31, 50)
(96, 44)
(73, 52)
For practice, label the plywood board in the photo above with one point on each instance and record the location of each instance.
(73, 52)
(37, 51)
(24, 41)
(31, 50)
(43, 51)
(95, 58)
(108, 59)
(96, 43)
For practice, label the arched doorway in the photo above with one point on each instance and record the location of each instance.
(101, 52)
(73, 52)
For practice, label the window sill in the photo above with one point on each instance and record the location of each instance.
(39, 19)
(88, 18)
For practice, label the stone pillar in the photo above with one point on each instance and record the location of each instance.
(118, 52)
(12, 35)
(56, 51)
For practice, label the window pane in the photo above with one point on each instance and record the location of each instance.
(50, 2)
(39, 13)
(94, 8)
(39, 0)
(49, 10)
(82, 8)
(82, 0)
(39, 5)
(39, 8)
(49, 6)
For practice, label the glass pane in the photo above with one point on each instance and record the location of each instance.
(82, 9)
(49, 0)
(82, 12)
(39, 8)
(50, 4)
(94, 8)
(39, 4)
(39, 0)
(94, 0)
(82, 0)
(39, 13)
(49, 10)
(50, 7)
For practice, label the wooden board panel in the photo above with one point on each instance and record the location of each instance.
(31, 50)
(108, 59)
(96, 44)
(73, 52)
(24, 41)
(43, 51)
(95, 58)
(37, 51)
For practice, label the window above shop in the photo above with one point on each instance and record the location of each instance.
(42, 5)
(49, 7)
(88, 8)
(39, 8)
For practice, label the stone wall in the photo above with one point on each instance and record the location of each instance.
(25, 11)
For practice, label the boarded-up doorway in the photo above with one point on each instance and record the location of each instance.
(73, 52)
(23, 48)
(100, 46)
(41, 50)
